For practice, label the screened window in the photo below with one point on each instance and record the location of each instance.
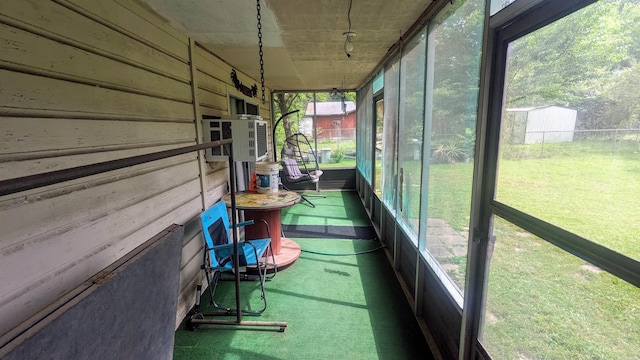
(569, 135)
(335, 124)
(453, 63)
(390, 135)
(365, 132)
(410, 130)
(544, 303)
(327, 119)
(378, 108)
(568, 170)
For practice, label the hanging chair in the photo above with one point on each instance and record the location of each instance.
(300, 162)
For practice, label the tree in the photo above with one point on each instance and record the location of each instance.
(587, 61)
(285, 102)
(456, 36)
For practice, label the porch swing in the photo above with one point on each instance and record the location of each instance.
(300, 163)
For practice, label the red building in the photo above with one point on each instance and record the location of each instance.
(334, 120)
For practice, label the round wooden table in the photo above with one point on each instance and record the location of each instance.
(267, 207)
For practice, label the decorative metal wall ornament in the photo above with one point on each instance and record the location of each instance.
(248, 91)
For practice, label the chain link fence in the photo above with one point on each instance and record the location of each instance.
(550, 143)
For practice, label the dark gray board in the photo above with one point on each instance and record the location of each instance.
(126, 311)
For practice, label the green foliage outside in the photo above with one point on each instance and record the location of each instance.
(343, 152)
(544, 303)
(589, 61)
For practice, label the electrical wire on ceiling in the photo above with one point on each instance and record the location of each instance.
(349, 35)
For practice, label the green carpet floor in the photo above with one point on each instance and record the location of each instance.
(338, 208)
(337, 307)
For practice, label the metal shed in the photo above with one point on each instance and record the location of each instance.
(546, 124)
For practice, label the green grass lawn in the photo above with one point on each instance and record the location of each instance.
(348, 163)
(595, 196)
(542, 302)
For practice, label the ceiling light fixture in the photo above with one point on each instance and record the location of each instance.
(349, 35)
(348, 44)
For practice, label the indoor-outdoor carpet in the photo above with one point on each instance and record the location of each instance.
(347, 307)
(337, 307)
(328, 231)
(338, 215)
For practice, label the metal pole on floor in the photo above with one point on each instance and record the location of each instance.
(236, 267)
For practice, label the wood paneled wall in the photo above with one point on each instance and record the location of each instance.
(84, 81)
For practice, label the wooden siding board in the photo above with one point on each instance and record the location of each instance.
(190, 276)
(106, 80)
(62, 24)
(192, 249)
(127, 22)
(204, 110)
(145, 12)
(14, 169)
(190, 272)
(32, 135)
(212, 84)
(40, 291)
(193, 241)
(111, 80)
(84, 203)
(212, 66)
(192, 263)
(24, 91)
(216, 186)
(24, 51)
(197, 125)
(215, 73)
(212, 100)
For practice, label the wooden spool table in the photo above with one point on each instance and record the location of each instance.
(267, 207)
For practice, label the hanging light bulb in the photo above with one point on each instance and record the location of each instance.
(349, 46)
(348, 42)
(349, 35)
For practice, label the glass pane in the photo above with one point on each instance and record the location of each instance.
(544, 303)
(453, 63)
(410, 133)
(294, 123)
(570, 134)
(390, 135)
(497, 5)
(378, 82)
(365, 132)
(379, 114)
(336, 128)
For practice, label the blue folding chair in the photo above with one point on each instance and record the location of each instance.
(219, 255)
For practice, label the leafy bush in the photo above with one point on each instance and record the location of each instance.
(338, 154)
(458, 148)
(447, 152)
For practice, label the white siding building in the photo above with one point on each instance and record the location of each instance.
(546, 124)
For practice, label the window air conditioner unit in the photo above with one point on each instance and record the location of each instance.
(249, 134)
